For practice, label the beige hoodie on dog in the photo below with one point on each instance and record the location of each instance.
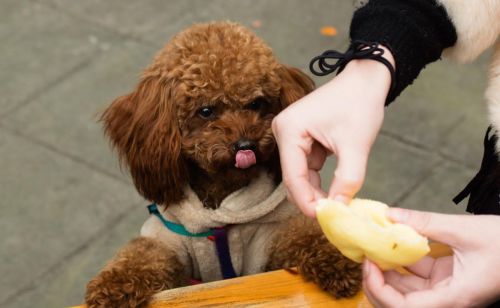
(255, 213)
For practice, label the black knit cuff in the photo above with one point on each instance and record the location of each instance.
(416, 32)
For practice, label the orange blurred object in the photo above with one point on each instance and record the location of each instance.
(328, 31)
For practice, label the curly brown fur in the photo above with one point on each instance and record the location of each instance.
(160, 134)
(301, 243)
(140, 269)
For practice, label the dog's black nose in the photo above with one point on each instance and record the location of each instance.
(244, 144)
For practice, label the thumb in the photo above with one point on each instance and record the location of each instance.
(447, 229)
(349, 176)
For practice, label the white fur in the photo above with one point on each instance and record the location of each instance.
(477, 23)
(493, 91)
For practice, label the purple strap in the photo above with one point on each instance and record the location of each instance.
(222, 246)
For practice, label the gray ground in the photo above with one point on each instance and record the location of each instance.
(65, 206)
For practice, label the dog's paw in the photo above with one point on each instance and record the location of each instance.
(139, 270)
(331, 271)
(112, 289)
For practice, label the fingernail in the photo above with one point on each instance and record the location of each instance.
(398, 215)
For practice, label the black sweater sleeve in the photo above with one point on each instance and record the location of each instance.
(416, 32)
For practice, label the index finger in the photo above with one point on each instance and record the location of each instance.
(296, 177)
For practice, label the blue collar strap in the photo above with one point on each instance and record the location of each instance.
(172, 226)
(218, 235)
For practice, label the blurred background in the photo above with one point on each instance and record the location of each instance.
(65, 206)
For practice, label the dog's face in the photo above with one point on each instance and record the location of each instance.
(229, 134)
(207, 100)
(227, 97)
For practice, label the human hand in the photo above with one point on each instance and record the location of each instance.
(466, 279)
(342, 117)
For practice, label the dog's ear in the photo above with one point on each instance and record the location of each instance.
(294, 85)
(144, 130)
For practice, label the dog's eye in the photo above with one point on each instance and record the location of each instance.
(206, 113)
(257, 104)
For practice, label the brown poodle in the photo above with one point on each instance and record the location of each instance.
(196, 136)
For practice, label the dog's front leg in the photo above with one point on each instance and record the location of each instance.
(142, 268)
(301, 243)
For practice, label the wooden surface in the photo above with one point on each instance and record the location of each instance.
(273, 289)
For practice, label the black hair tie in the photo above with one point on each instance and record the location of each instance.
(357, 50)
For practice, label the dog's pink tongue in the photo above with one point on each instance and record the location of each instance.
(245, 159)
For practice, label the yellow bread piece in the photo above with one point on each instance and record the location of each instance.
(361, 229)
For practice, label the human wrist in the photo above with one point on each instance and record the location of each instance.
(374, 76)
(371, 66)
(378, 73)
